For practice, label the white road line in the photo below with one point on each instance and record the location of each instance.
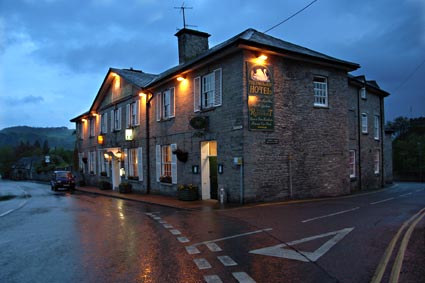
(384, 200)
(162, 222)
(156, 217)
(329, 215)
(175, 232)
(232, 237)
(213, 247)
(19, 206)
(202, 263)
(242, 277)
(168, 226)
(403, 195)
(212, 279)
(227, 260)
(192, 250)
(183, 239)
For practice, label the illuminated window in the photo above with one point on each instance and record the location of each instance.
(166, 164)
(207, 91)
(165, 106)
(320, 91)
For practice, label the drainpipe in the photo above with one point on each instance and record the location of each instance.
(359, 134)
(381, 133)
(148, 167)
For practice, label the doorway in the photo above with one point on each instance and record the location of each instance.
(209, 170)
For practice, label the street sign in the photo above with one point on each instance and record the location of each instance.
(286, 250)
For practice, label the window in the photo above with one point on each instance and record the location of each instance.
(166, 164)
(116, 119)
(364, 123)
(352, 162)
(92, 126)
(132, 114)
(104, 123)
(320, 91)
(207, 91)
(80, 130)
(165, 105)
(376, 161)
(133, 163)
(376, 127)
(363, 93)
(92, 162)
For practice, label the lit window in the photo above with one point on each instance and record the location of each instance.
(166, 161)
(166, 164)
(364, 123)
(320, 91)
(207, 91)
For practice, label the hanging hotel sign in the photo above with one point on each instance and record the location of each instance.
(260, 97)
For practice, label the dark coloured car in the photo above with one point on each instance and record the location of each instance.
(62, 179)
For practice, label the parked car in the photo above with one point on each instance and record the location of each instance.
(62, 179)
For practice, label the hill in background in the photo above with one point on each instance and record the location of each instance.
(56, 136)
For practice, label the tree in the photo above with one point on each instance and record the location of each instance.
(46, 147)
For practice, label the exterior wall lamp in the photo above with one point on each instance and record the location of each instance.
(181, 78)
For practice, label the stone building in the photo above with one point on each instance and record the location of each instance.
(260, 117)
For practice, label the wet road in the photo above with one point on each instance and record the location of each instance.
(50, 236)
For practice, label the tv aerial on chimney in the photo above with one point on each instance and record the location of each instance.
(182, 8)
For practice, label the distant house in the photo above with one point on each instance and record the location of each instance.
(258, 116)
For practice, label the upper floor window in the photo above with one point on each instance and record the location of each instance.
(320, 91)
(376, 127)
(363, 92)
(132, 115)
(116, 119)
(104, 123)
(364, 123)
(207, 91)
(165, 105)
(92, 126)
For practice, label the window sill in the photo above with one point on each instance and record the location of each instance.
(165, 119)
(166, 184)
(321, 106)
(203, 110)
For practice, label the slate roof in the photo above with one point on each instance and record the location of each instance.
(135, 77)
(261, 40)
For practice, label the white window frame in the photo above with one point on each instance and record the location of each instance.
(92, 162)
(92, 126)
(363, 93)
(104, 123)
(132, 114)
(320, 91)
(116, 119)
(364, 123)
(377, 161)
(166, 162)
(352, 163)
(376, 127)
(165, 104)
(207, 92)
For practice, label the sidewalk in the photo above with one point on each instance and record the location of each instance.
(166, 201)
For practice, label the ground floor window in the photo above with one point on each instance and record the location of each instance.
(133, 163)
(352, 163)
(166, 164)
(377, 161)
(92, 162)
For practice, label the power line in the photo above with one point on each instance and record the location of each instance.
(290, 17)
(410, 75)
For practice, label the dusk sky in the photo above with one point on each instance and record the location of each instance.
(54, 54)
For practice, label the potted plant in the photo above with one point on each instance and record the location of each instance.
(104, 185)
(165, 179)
(187, 192)
(125, 187)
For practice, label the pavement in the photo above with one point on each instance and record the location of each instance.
(167, 201)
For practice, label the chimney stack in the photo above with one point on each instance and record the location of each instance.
(191, 44)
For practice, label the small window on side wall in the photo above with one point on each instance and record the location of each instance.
(320, 91)
(363, 93)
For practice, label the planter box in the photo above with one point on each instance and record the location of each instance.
(187, 195)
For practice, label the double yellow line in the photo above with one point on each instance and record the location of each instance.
(395, 272)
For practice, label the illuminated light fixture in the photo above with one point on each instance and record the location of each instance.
(94, 114)
(118, 154)
(262, 57)
(142, 94)
(100, 139)
(107, 155)
(181, 78)
(128, 134)
(84, 120)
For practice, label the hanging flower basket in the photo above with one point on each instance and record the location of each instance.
(181, 155)
(187, 192)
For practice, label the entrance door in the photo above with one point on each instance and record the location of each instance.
(213, 177)
(209, 169)
(116, 180)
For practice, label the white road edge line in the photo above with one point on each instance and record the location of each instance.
(403, 195)
(384, 200)
(19, 206)
(329, 215)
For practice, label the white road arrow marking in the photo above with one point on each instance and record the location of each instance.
(289, 253)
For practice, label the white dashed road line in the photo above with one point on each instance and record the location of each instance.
(329, 215)
(202, 263)
(381, 201)
(227, 260)
(242, 277)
